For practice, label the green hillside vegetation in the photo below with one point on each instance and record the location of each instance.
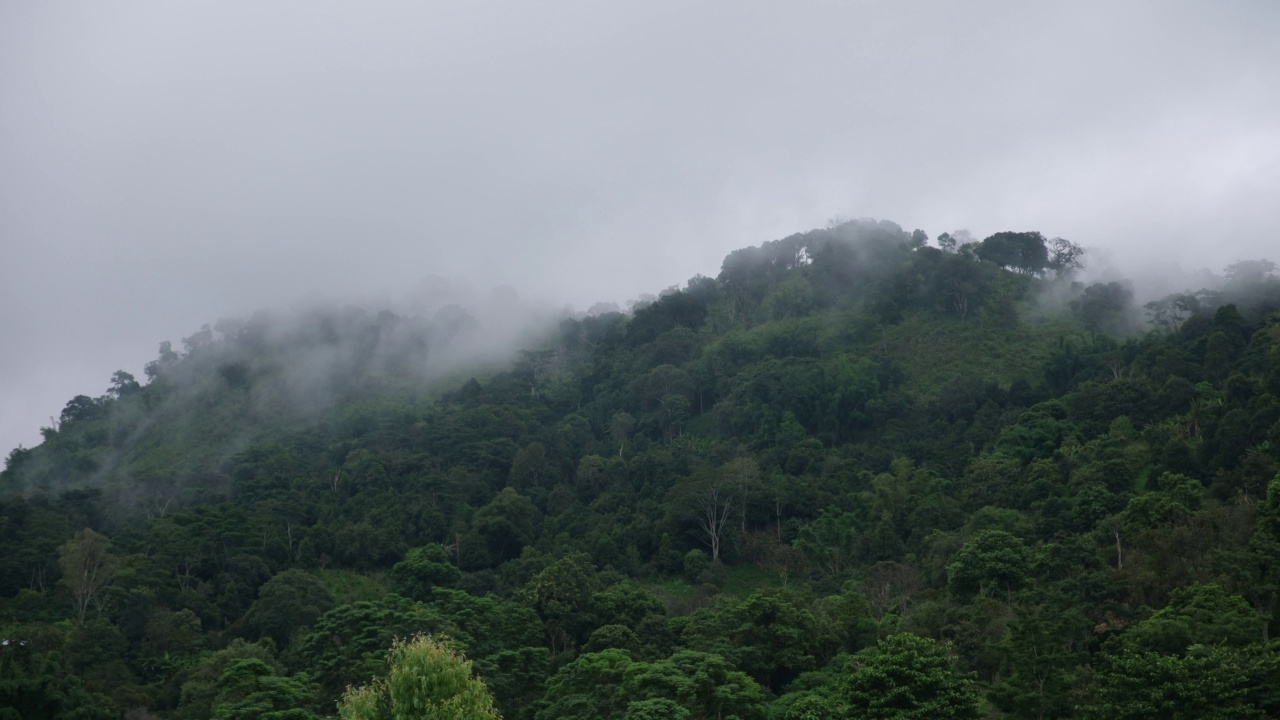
(854, 475)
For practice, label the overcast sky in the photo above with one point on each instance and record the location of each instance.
(165, 164)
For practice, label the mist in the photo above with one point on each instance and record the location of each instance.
(163, 166)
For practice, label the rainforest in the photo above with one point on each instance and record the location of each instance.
(858, 473)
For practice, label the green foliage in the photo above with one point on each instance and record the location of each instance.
(1196, 615)
(289, 601)
(609, 684)
(428, 680)
(906, 676)
(1025, 251)
(499, 530)
(627, 603)
(775, 640)
(422, 569)
(87, 568)
(618, 637)
(202, 689)
(1103, 306)
(560, 595)
(847, 618)
(347, 586)
(993, 561)
(683, 511)
(1206, 684)
(1037, 434)
(348, 644)
(587, 688)
(830, 542)
(655, 709)
(1041, 656)
(702, 684)
(35, 683)
(517, 678)
(488, 624)
(249, 689)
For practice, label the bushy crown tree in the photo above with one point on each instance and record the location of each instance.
(428, 679)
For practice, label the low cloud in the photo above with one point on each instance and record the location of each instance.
(165, 165)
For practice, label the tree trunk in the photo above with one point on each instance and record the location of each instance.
(714, 510)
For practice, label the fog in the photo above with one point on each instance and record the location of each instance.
(163, 165)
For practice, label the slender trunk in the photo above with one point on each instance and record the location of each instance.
(714, 513)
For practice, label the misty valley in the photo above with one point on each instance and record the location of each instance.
(859, 473)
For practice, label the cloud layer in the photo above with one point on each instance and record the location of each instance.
(165, 164)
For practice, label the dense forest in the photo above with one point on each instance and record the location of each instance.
(858, 474)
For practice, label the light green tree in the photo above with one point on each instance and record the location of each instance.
(87, 568)
(427, 679)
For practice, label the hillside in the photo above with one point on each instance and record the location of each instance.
(852, 465)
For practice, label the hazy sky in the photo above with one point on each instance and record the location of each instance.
(164, 164)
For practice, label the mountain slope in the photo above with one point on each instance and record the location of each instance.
(847, 435)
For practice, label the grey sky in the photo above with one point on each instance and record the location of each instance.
(164, 164)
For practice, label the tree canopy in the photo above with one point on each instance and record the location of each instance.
(851, 475)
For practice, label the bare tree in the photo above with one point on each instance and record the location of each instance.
(87, 568)
(960, 293)
(1119, 367)
(713, 507)
(620, 428)
(890, 586)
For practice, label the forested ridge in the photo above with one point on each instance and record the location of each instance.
(857, 474)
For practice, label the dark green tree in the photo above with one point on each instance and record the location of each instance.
(288, 602)
(907, 677)
(200, 688)
(703, 684)
(249, 689)
(1205, 684)
(348, 644)
(1024, 252)
(421, 570)
(1197, 615)
(993, 561)
(775, 639)
(561, 596)
(589, 688)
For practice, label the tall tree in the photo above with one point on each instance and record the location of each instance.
(561, 595)
(1064, 256)
(713, 506)
(428, 680)
(87, 568)
(620, 427)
